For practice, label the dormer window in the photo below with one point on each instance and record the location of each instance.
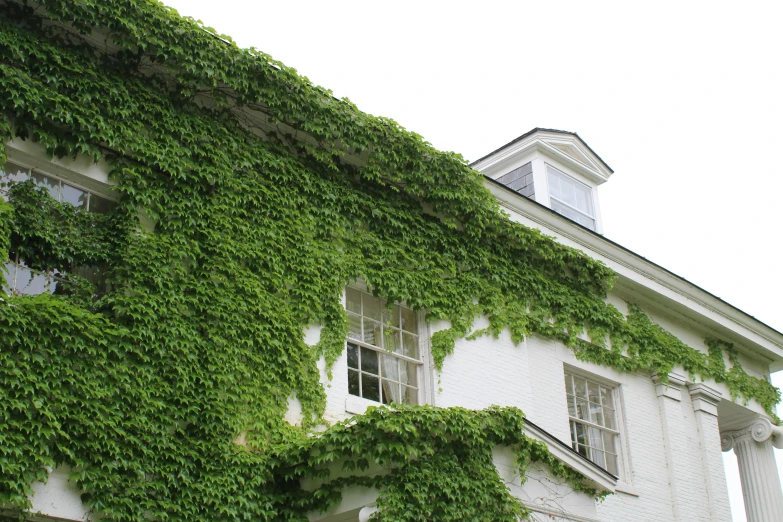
(554, 168)
(570, 198)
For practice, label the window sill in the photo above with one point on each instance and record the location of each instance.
(628, 489)
(358, 405)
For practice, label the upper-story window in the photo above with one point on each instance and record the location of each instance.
(570, 198)
(20, 279)
(593, 418)
(384, 360)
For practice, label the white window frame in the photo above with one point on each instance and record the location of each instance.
(61, 180)
(83, 173)
(357, 404)
(590, 192)
(624, 471)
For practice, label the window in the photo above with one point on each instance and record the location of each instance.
(593, 419)
(570, 198)
(384, 363)
(23, 280)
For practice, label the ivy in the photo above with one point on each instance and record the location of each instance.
(258, 223)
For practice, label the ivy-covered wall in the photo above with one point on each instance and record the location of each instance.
(258, 228)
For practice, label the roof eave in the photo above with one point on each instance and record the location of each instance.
(638, 270)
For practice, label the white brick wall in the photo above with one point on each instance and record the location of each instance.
(655, 485)
(491, 371)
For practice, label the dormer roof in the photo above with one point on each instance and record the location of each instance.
(564, 146)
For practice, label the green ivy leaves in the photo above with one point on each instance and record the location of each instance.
(259, 224)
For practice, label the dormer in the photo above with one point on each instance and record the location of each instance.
(554, 168)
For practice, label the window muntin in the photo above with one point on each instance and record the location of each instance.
(570, 198)
(593, 421)
(23, 280)
(383, 350)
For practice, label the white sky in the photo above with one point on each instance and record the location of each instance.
(682, 100)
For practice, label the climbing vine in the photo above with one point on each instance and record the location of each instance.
(265, 197)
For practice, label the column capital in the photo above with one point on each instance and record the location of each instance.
(704, 398)
(670, 386)
(759, 430)
(366, 512)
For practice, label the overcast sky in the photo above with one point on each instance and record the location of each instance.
(682, 100)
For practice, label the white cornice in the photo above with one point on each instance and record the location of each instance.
(657, 284)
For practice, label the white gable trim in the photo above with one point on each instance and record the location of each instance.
(567, 149)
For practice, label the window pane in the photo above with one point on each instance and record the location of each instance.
(598, 457)
(13, 172)
(369, 361)
(573, 215)
(595, 438)
(583, 202)
(410, 345)
(23, 275)
(370, 387)
(569, 384)
(395, 316)
(569, 195)
(409, 373)
(353, 383)
(409, 323)
(592, 393)
(390, 368)
(609, 419)
(11, 175)
(392, 341)
(53, 282)
(606, 397)
(9, 270)
(99, 204)
(609, 442)
(74, 196)
(353, 356)
(597, 414)
(392, 392)
(353, 300)
(371, 307)
(583, 450)
(570, 191)
(354, 326)
(581, 436)
(581, 410)
(30, 283)
(580, 387)
(372, 332)
(571, 406)
(611, 464)
(50, 184)
(410, 395)
(554, 185)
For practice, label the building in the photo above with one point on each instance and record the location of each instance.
(212, 253)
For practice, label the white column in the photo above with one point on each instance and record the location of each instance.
(758, 471)
(366, 512)
(705, 408)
